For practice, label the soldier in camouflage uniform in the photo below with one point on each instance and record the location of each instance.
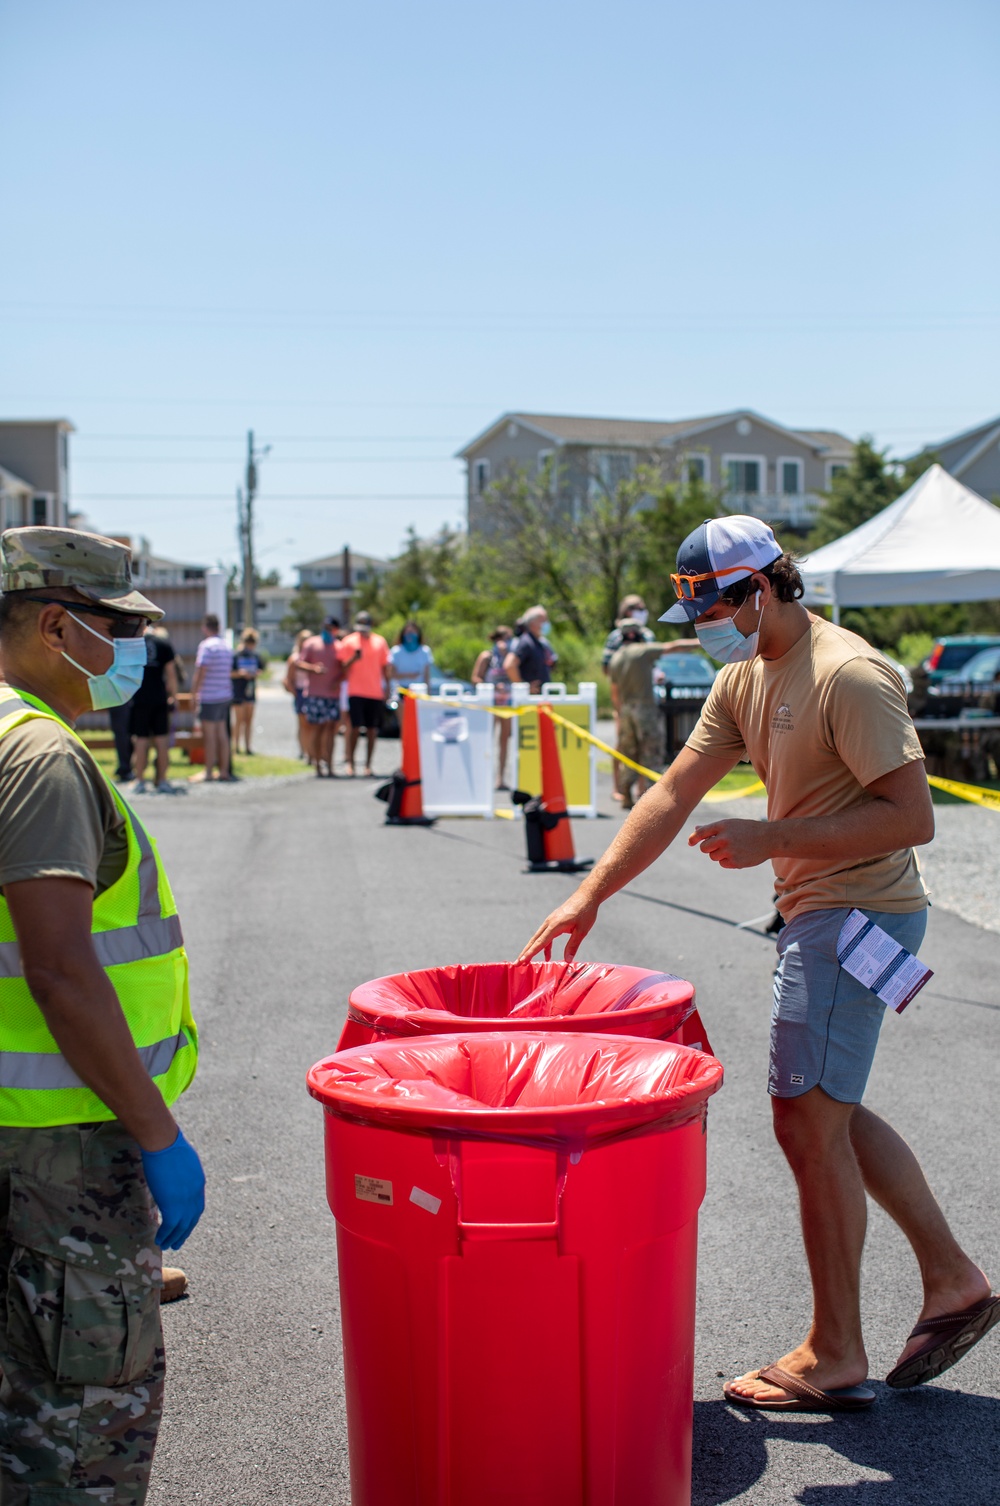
(640, 721)
(96, 1040)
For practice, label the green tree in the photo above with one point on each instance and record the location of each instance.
(271, 578)
(675, 510)
(863, 489)
(305, 610)
(543, 551)
(419, 575)
(611, 534)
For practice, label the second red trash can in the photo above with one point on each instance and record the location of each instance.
(591, 996)
(516, 1238)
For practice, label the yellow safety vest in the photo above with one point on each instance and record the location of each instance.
(137, 937)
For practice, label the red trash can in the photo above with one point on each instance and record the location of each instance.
(525, 996)
(516, 1238)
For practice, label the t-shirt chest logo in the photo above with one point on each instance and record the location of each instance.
(782, 721)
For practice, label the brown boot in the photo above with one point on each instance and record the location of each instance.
(174, 1284)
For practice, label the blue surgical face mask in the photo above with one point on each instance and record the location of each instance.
(122, 679)
(326, 635)
(545, 630)
(724, 642)
(411, 641)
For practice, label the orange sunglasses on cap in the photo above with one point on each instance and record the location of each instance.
(684, 584)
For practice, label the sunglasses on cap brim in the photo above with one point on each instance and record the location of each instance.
(684, 585)
(120, 624)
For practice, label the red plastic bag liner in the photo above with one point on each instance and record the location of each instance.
(530, 1086)
(487, 996)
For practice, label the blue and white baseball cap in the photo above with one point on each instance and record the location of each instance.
(720, 552)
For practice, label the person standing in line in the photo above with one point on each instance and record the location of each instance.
(296, 682)
(489, 670)
(365, 656)
(120, 718)
(97, 1041)
(823, 719)
(638, 714)
(151, 707)
(343, 721)
(410, 659)
(634, 608)
(320, 658)
(211, 691)
(528, 658)
(247, 665)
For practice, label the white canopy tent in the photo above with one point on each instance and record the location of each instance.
(938, 542)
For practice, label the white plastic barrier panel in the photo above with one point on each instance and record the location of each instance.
(577, 757)
(457, 763)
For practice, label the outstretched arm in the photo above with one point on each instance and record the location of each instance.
(649, 831)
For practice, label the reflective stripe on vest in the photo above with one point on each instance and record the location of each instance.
(145, 962)
(47, 1069)
(152, 937)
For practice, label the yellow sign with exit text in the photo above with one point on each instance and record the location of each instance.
(574, 754)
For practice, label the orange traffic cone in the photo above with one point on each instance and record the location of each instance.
(546, 819)
(406, 806)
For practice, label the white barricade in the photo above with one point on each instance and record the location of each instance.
(457, 752)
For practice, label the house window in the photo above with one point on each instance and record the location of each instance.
(835, 468)
(480, 476)
(695, 468)
(610, 469)
(743, 474)
(790, 477)
(39, 511)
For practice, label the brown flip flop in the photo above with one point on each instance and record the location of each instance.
(949, 1339)
(803, 1397)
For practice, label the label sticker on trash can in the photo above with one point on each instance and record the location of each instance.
(425, 1199)
(373, 1190)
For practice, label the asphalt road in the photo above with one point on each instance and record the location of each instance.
(291, 894)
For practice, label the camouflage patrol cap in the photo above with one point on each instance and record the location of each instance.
(96, 567)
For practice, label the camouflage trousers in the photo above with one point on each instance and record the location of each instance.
(640, 737)
(81, 1348)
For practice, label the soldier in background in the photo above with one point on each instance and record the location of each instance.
(96, 1041)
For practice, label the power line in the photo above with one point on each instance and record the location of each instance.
(278, 497)
(278, 438)
(241, 402)
(441, 458)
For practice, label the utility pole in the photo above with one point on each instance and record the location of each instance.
(245, 502)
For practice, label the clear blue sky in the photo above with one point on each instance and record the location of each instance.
(367, 230)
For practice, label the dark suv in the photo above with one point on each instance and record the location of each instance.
(970, 691)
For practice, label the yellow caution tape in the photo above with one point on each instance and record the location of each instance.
(974, 792)
(751, 789)
(653, 775)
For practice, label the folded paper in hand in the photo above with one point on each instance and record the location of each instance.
(872, 956)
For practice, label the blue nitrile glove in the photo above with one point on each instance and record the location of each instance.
(177, 1182)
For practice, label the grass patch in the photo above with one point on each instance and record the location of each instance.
(737, 779)
(179, 769)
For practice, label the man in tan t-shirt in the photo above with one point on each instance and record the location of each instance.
(823, 719)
